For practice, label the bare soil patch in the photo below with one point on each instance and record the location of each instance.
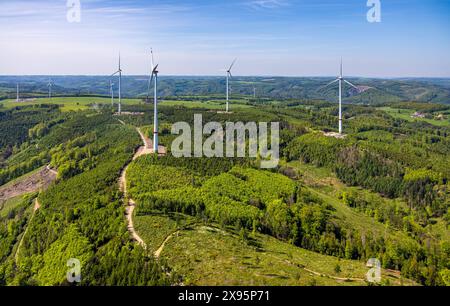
(37, 181)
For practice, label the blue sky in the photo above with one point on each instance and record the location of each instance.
(269, 37)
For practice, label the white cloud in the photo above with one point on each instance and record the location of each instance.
(267, 4)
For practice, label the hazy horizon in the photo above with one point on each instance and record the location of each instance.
(234, 76)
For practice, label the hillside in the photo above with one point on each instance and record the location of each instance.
(330, 206)
(371, 91)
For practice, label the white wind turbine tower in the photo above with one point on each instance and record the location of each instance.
(154, 75)
(49, 85)
(17, 92)
(229, 75)
(120, 86)
(340, 79)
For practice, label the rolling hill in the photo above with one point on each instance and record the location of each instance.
(372, 91)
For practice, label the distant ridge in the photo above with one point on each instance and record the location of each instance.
(372, 90)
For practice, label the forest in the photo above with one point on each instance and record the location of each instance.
(390, 171)
(81, 216)
(255, 200)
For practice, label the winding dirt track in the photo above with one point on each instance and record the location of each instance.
(129, 208)
(161, 247)
(131, 205)
(196, 226)
(36, 207)
(345, 279)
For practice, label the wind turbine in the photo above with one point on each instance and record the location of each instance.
(111, 84)
(49, 85)
(120, 85)
(229, 75)
(154, 75)
(340, 79)
(17, 99)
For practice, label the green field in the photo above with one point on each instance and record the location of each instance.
(70, 103)
(405, 114)
(211, 104)
(82, 103)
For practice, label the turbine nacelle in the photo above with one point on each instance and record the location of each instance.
(155, 70)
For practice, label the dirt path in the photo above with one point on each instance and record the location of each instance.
(131, 205)
(352, 279)
(52, 171)
(147, 148)
(161, 247)
(196, 226)
(129, 214)
(36, 207)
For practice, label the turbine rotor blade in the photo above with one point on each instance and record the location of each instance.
(322, 87)
(152, 59)
(351, 84)
(232, 64)
(153, 73)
